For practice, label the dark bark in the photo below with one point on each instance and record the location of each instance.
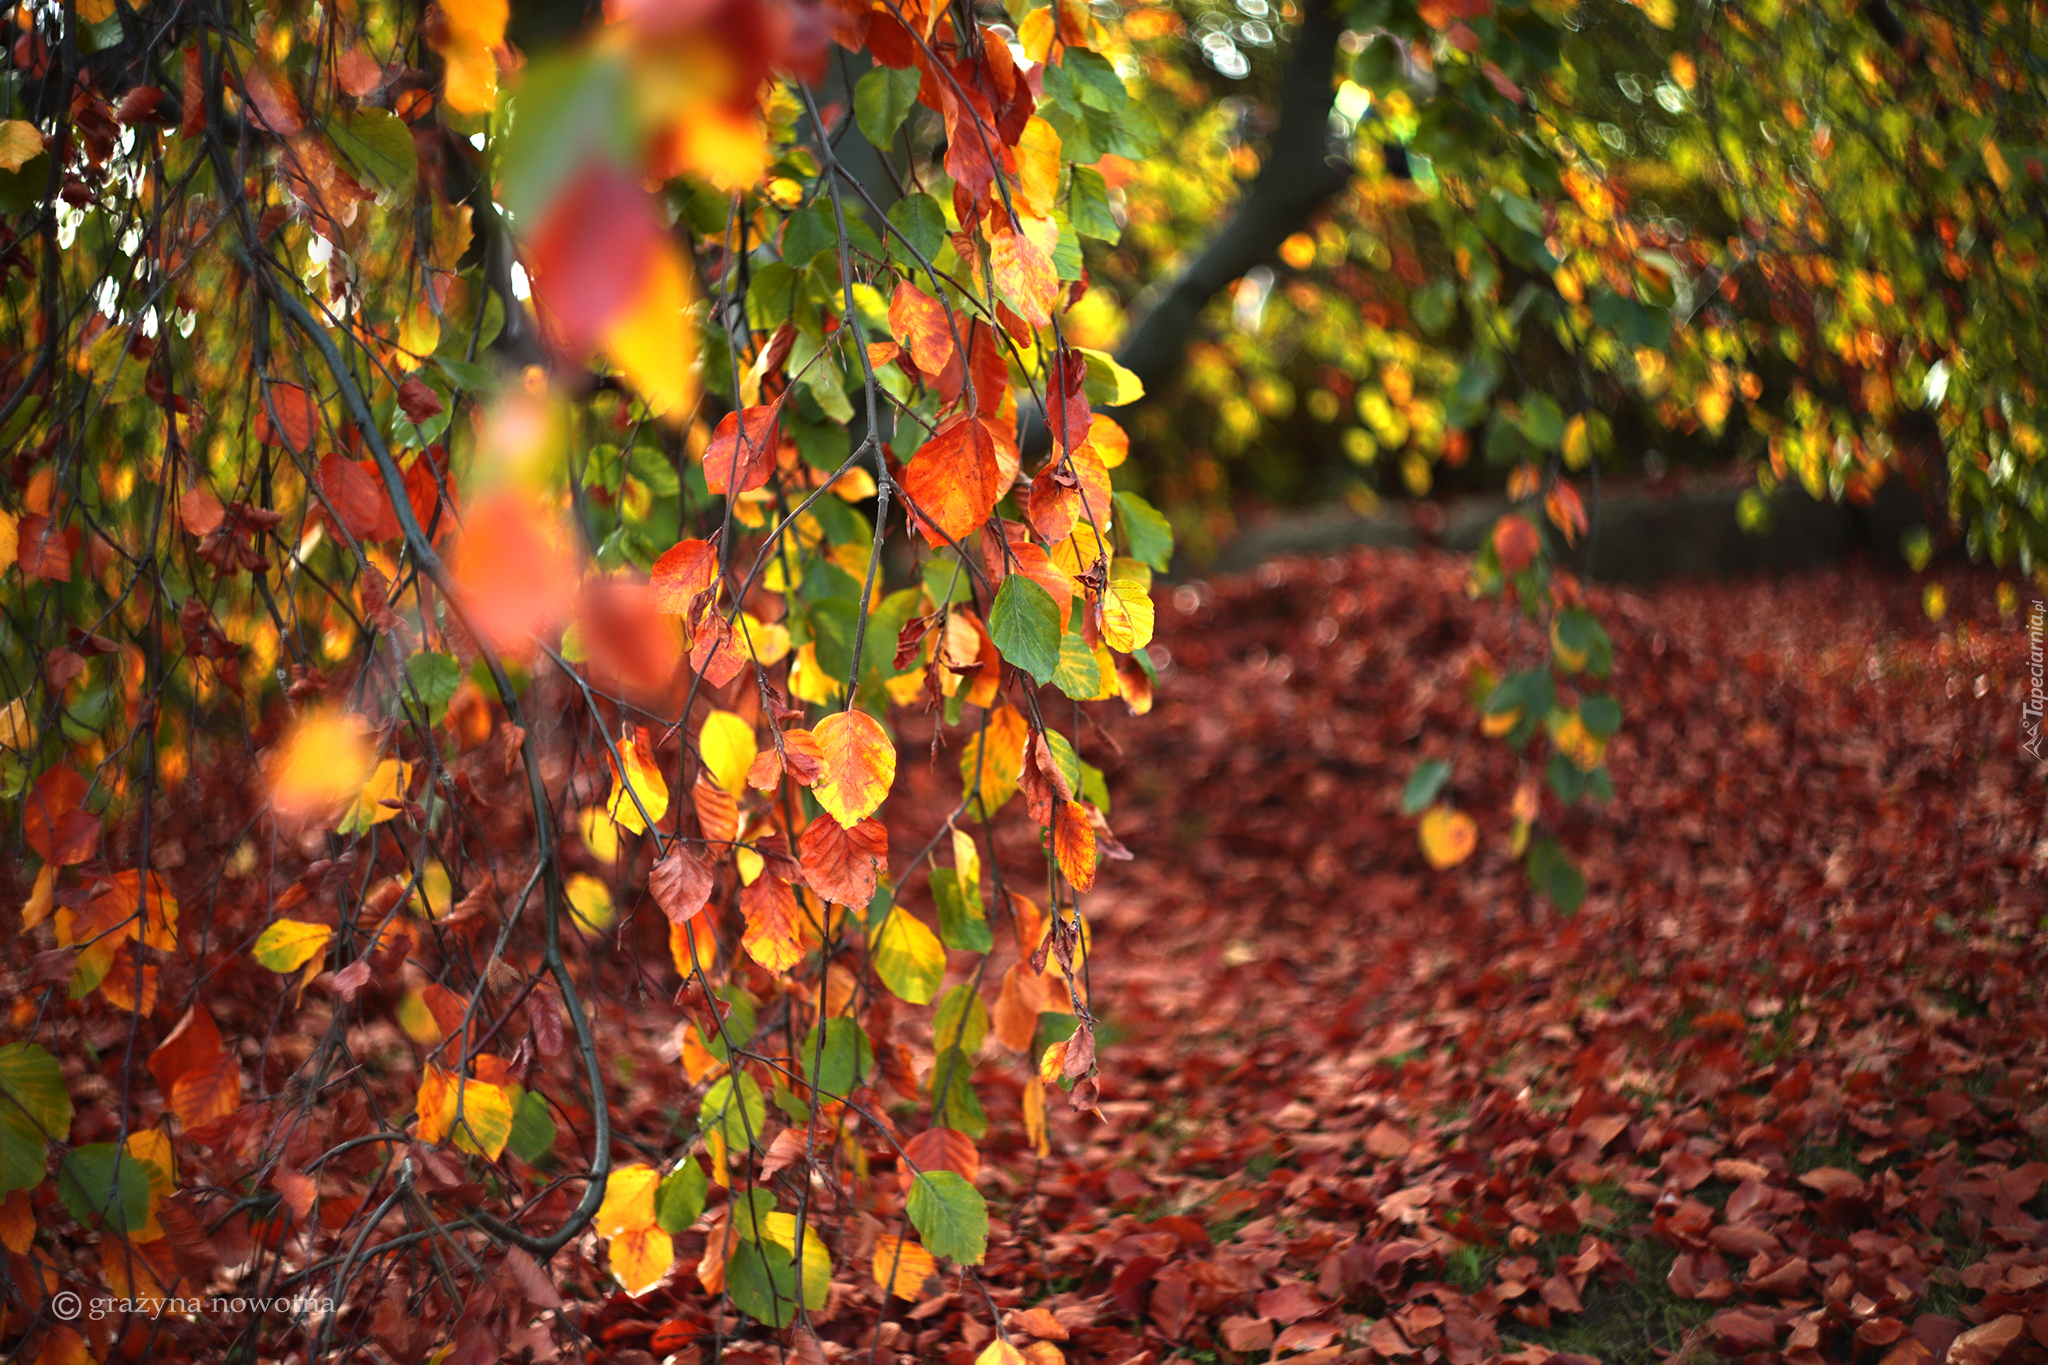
(1299, 174)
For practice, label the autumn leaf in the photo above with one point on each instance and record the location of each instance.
(1516, 543)
(1448, 837)
(856, 766)
(954, 480)
(919, 321)
(774, 932)
(1022, 264)
(684, 572)
(741, 455)
(902, 1267)
(843, 864)
(467, 37)
(639, 792)
(1073, 844)
(20, 143)
(726, 744)
(681, 884)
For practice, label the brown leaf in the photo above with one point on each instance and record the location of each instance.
(680, 883)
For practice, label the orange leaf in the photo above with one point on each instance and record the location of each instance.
(1516, 543)
(940, 1149)
(856, 766)
(516, 572)
(843, 864)
(1038, 169)
(1448, 837)
(718, 813)
(57, 829)
(1022, 264)
(920, 322)
(298, 417)
(774, 934)
(954, 480)
(593, 250)
(359, 498)
(1015, 1017)
(685, 570)
(902, 1267)
(1073, 844)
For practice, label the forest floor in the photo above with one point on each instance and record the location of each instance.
(1779, 1090)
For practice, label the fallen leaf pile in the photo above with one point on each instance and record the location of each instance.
(1776, 1092)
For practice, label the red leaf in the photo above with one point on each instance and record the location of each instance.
(417, 401)
(358, 496)
(681, 884)
(594, 247)
(739, 461)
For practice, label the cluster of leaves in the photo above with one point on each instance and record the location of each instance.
(1803, 235)
(1806, 233)
(1773, 1095)
(438, 465)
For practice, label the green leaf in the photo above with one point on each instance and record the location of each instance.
(1433, 305)
(1423, 785)
(105, 1187)
(1146, 528)
(922, 222)
(954, 1103)
(882, 99)
(1088, 206)
(1025, 624)
(761, 1277)
(378, 148)
(1078, 674)
(1600, 715)
(1554, 874)
(845, 1061)
(533, 1128)
(737, 1116)
(435, 677)
(963, 923)
(23, 1153)
(950, 1216)
(771, 296)
(1542, 422)
(961, 1020)
(680, 1198)
(31, 1078)
(570, 111)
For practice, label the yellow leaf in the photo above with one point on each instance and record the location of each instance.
(470, 29)
(290, 944)
(1448, 837)
(1126, 615)
(628, 1200)
(652, 341)
(36, 908)
(902, 1267)
(475, 1114)
(811, 683)
(639, 777)
(20, 143)
(1000, 1352)
(767, 643)
(815, 1280)
(774, 933)
(909, 957)
(590, 901)
(387, 783)
(641, 1257)
(325, 760)
(857, 766)
(435, 896)
(726, 744)
(419, 332)
(600, 835)
(1034, 1116)
(1994, 162)
(1038, 169)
